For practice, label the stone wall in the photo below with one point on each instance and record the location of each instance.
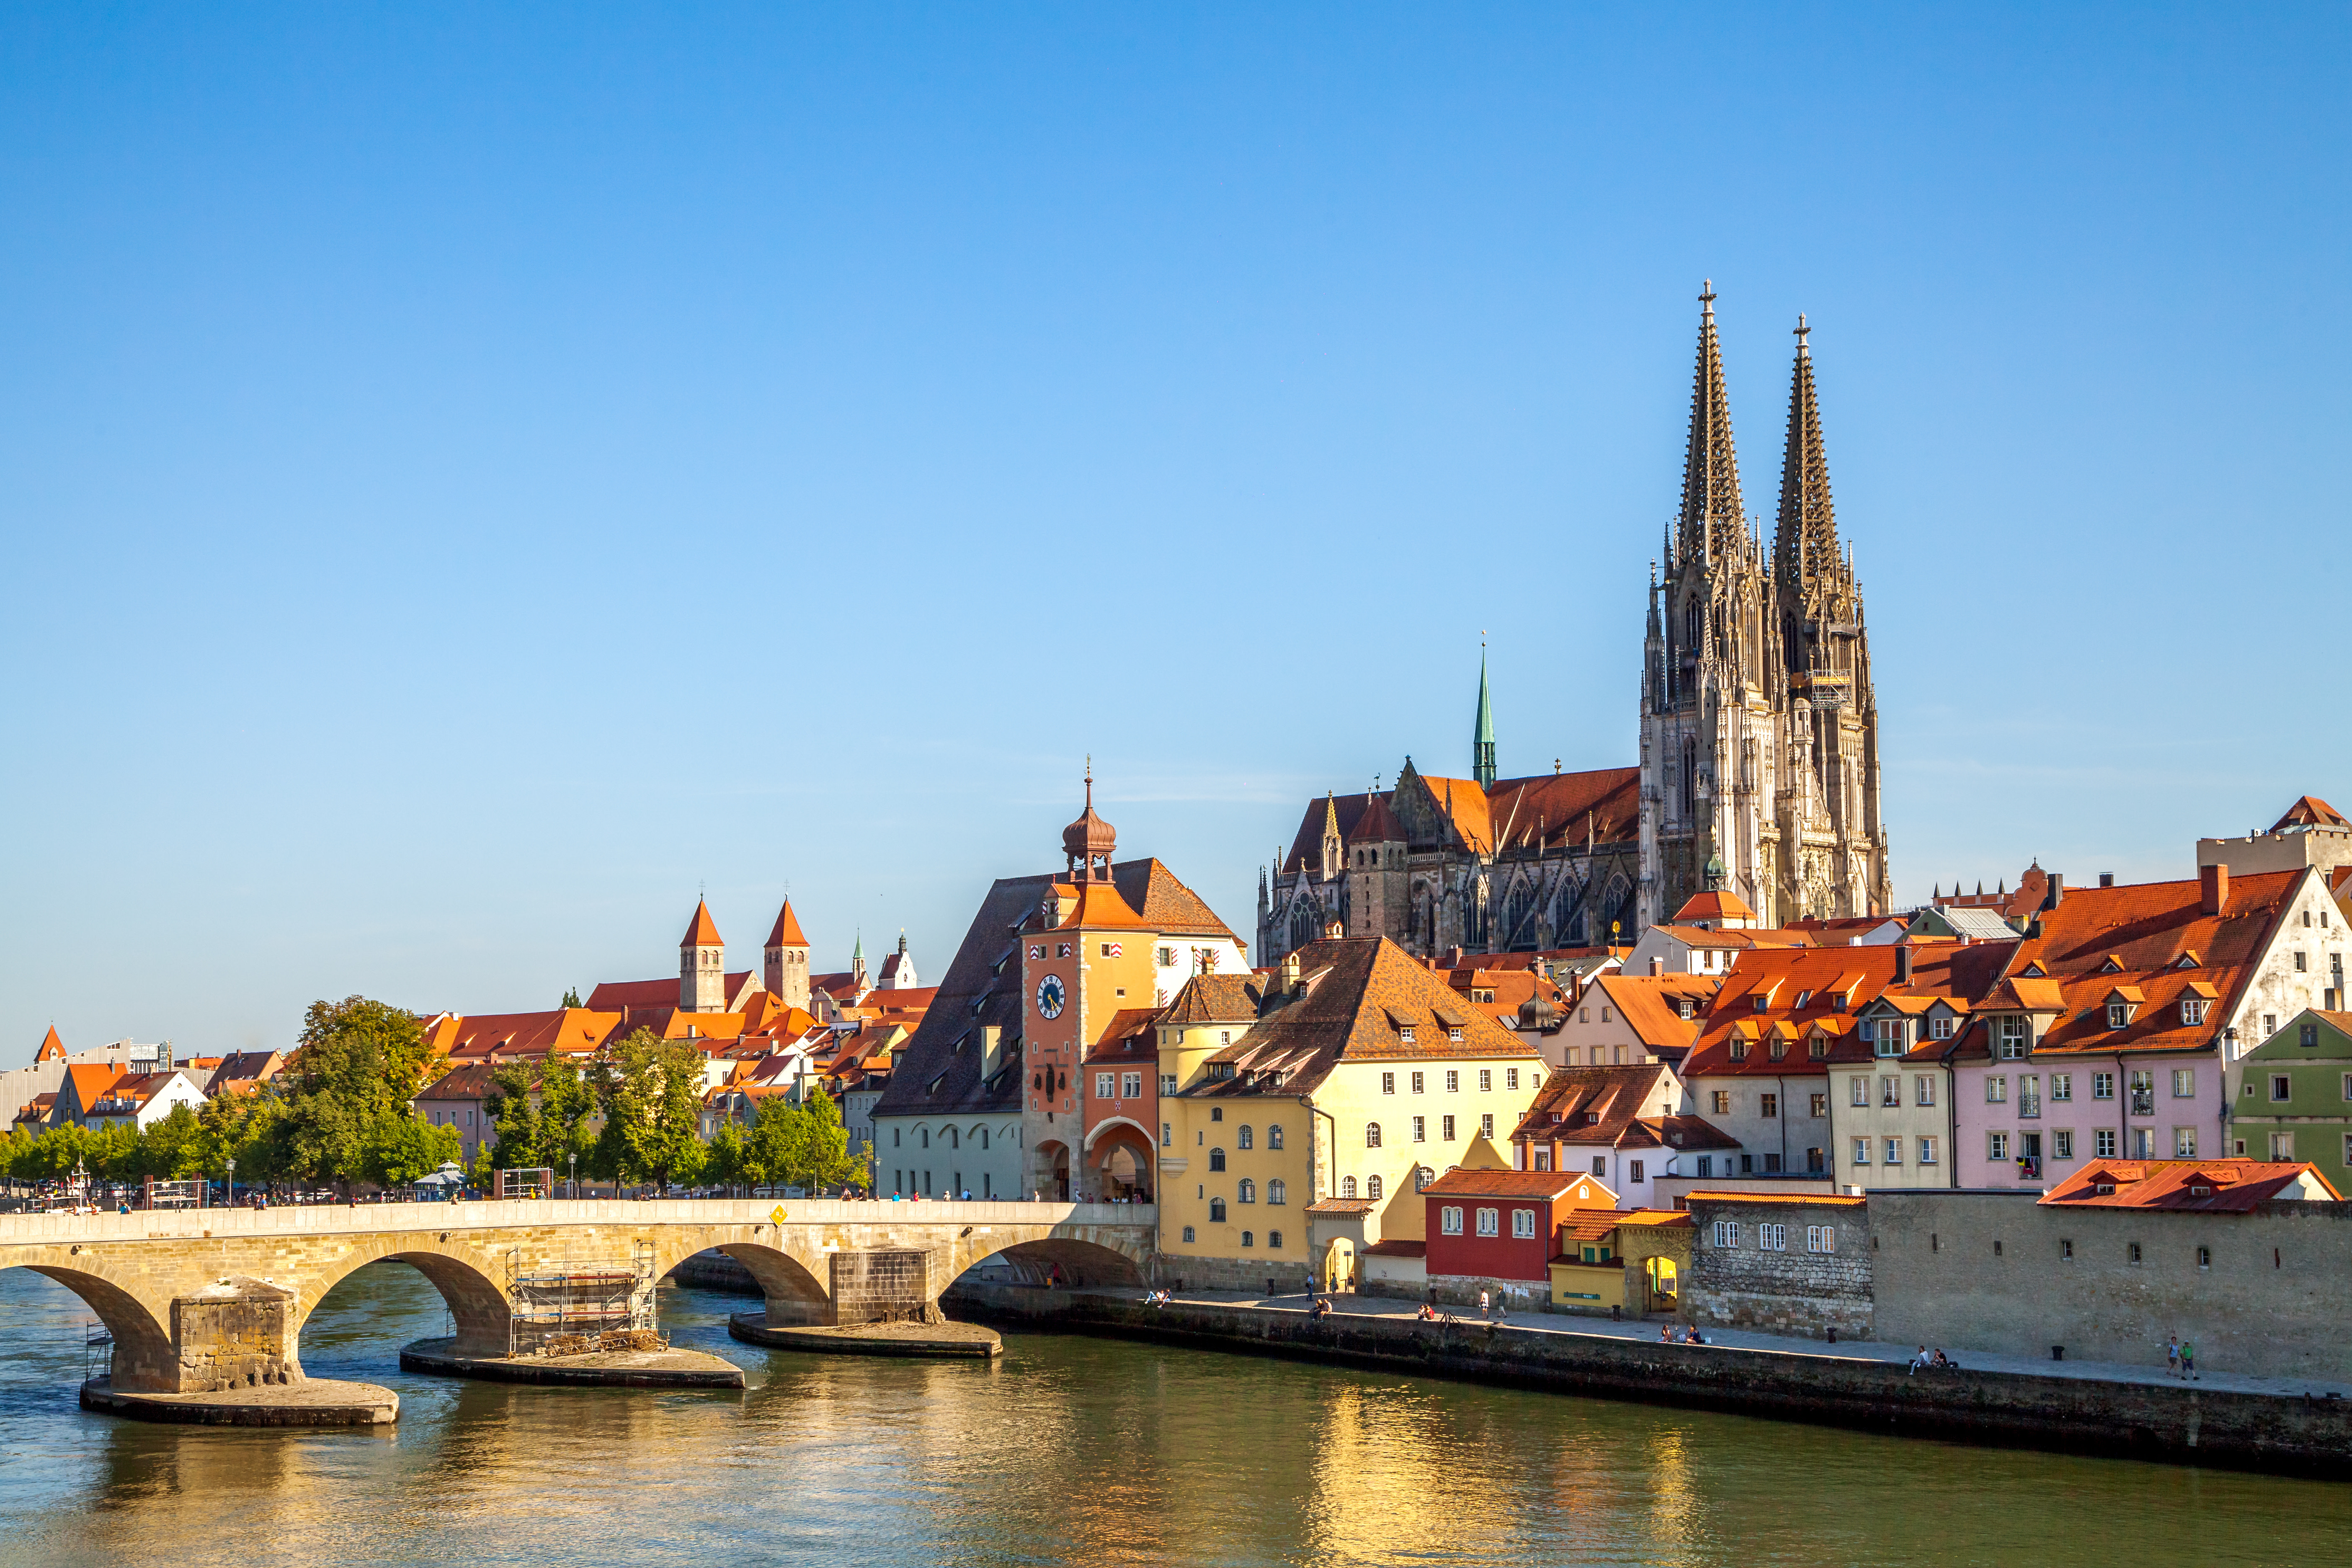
(1788, 1288)
(234, 1334)
(1998, 1271)
(881, 1286)
(1190, 1271)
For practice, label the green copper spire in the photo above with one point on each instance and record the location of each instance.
(1481, 741)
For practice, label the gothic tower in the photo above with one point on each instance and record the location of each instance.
(1482, 733)
(1712, 684)
(787, 967)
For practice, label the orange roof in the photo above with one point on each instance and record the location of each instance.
(52, 1049)
(787, 930)
(2310, 811)
(704, 932)
(563, 1031)
(1651, 1004)
(1097, 905)
(89, 1082)
(1819, 990)
(2226, 1187)
(1777, 1198)
(1720, 905)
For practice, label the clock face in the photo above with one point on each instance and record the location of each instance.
(1050, 996)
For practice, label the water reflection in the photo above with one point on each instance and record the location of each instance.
(1072, 1450)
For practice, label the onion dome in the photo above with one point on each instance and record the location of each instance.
(1089, 836)
(1538, 1012)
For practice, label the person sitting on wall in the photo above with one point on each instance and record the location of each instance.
(1922, 1359)
(1691, 1338)
(1666, 1333)
(1943, 1361)
(1428, 1314)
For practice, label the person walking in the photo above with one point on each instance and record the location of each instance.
(2189, 1361)
(2171, 1355)
(1483, 1310)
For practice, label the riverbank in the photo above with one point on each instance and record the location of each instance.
(2200, 1423)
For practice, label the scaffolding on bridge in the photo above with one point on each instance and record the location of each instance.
(586, 1297)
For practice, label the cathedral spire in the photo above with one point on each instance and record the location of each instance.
(1482, 738)
(1712, 522)
(1806, 550)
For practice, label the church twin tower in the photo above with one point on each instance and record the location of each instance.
(1760, 731)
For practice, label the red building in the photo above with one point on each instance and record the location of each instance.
(1495, 1228)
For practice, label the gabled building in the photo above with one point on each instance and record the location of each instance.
(1626, 1126)
(1892, 1123)
(1363, 1077)
(141, 1099)
(1623, 1020)
(2291, 1097)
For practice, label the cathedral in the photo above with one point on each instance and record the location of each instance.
(1758, 767)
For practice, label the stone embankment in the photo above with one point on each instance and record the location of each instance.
(671, 1368)
(2182, 1423)
(920, 1339)
(314, 1402)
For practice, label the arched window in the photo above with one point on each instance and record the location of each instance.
(1248, 1239)
(953, 1140)
(1248, 1193)
(1346, 1186)
(1244, 1137)
(1276, 1191)
(1690, 777)
(1188, 1233)
(1372, 1134)
(1422, 1176)
(1273, 1135)
(1273, 1241)
(1216, 1159)
(926, 1136)
(1372, 1188)
(982, 1132)
(1216, 1210)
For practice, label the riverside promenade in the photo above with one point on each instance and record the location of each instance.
(2260, 1424)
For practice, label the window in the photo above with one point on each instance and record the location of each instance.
(1861, 1151)
(1388, 1083)
(1166, 1135)
(1890, 1036)
(1726, 1234)
(1216, 1210)
(2204, 1257)
(1104, 1086)
(2103, 1144)
(2062, 1143)
(1372, 1134)
(1273, 1241)
(1634, 1171)
(1926, 1150)
(1895, 1151)
(2308, 1035)
(2281, 1145)
(1404, 1033)
(1523, 1225)
(1605, 1017)
(2029, 1094)
(1453, 1082)
(1276, 1192)
(1771, 1162)
(1860, 1088)
(2282, 1087)
(1421, 1129)
(1722, 1102)
(2300, 962)
(1996, 1089)
(1188, 1233)
(1490, 1222)
(1923, 1089)
(1130, 1086)
(2010, 1045)
(2270, 1024)
(1707, 1164)
(1996, 1146)
(1820, 1238)
(2184, 1142)
(1821, 1105)
(1372, 1188)
(1216, 1159)
(1486, 1125)
(1772, 1238)
(1416, 1082)
(1247, 1192)
(2348, 1086)
(1168, 1083)
(2061, 1086)
(1485, 1080)
(2348, 1148)
(2184, 1083)
(1738, 1050)
(1216, 1113)
(1249, 1238)
(1767, 1105)
(1273, 1135)
(2192, 1009)
(2103, 1086)
(1445, 1128)
(1938, 1028)
(1890, 1092)
(2131, 1252)
(1510, 1077)
(1818, 1047)
(1244, 1137)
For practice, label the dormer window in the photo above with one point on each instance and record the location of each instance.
(1404, 1033)
(1759, 1002)
(2010, 1045)
(1482, 997)
(1939, 1027)
(2118, 1015)
(2192, 1009)
(2113, 965)
(2034, 971)
(1740, 1050)
(2106, 1189)
(1818, 1048)
(1779, 1049)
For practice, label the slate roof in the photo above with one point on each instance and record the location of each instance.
(1553, 806)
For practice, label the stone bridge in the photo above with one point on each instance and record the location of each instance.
(211, 1299)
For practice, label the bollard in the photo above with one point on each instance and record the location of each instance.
(2057, 1352)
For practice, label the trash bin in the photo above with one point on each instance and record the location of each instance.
(2057, 1352)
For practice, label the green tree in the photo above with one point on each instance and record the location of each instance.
(403, 1148)
(822, 1157)
(723, 1157)
(355, 1069)
(568, 1118)
(522, 1134)
(171, 1148)
(571, 997)
(651, 1090)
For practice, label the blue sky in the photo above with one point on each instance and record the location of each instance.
(471, 476)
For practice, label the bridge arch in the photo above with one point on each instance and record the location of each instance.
(795, 1293)
(1074, 1260)
(144, 1359)
(470, 1281)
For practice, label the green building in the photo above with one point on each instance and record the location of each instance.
(2292, 1096)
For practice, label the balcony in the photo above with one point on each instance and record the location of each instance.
(2143, 1102)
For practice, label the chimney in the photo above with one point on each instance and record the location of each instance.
(2057, 891)
(2107, 879)
(2212, 888)
(1454, 956)
(1902, 964)
(1657, 965)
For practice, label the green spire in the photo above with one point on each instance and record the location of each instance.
(1482, 740)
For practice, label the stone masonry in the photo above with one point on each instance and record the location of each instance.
(158, 1279)
(1793, 1267)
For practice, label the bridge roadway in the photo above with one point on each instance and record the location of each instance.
(201, 1299)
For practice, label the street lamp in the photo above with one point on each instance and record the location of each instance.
(575, 1173)
(232, 1182)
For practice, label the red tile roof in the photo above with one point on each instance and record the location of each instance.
(1720, 905)
(2216, 1186)
(704, 930)
(1835, 983)
(52, 1049)
(1651, 1004)
(2310, 811)
(1549, 1184)
(786, 931)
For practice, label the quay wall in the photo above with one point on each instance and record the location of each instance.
(2176, 1421)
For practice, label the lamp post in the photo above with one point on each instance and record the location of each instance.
(232, 1182)
(575, 1173)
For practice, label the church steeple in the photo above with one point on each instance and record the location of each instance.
(1805, 550)
(1482, 737)
(1714, 523)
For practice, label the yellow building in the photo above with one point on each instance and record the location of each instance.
(1362, 1076)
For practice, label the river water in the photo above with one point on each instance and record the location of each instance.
(1071, 1450)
